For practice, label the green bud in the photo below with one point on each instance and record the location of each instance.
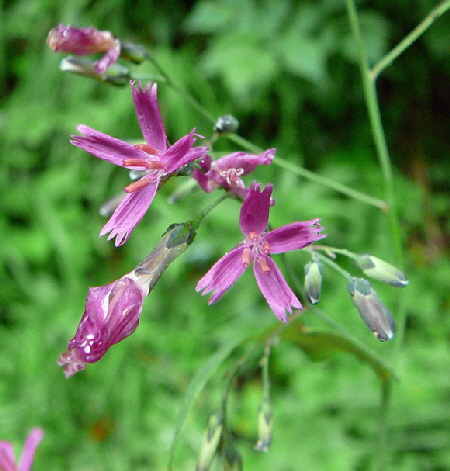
(132, 52)
(372, 311)
(173, 243)
(211, 441)
(382, 271)
(313, 280)
(114, 75)
(233, 460)
(265, 425)
(226, 123)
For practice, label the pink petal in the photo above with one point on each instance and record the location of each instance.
(274, 288)
(203, 181)
(129, 212)
(182, 153)
(106, 147)
(294, 236)
(7, 456)
(31, 444)
(149, 116)
(247, 162)
(222, 274)
(255, 209)
(109, 58)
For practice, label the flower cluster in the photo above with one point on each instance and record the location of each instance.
(112, 312)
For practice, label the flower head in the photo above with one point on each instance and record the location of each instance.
(257, 247)
(111, 314)
(156, 159)
(26, 460)
(227, 171)
(85, 41)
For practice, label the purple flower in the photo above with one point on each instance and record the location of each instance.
(257, 247)
(85, 41)
(156, 158)
(111, 314)
(227, 171)
(7, 462)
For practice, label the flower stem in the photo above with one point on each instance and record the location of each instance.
(387, 60)
(302, 172)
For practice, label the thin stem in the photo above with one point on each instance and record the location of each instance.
(387, 60)
(195, 223)
(302, 172)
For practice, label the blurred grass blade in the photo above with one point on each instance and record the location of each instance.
(195, 388)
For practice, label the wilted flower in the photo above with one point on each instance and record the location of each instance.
(85, 41)
(112, 312)
(227, 171)
(372, 311)
(257, 247)
(7, 461)
(155, 158)
(382, 271)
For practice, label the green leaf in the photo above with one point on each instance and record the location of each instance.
(319, 346)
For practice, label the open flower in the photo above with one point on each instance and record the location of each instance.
(85, 41)
(111, 314)
(257, 248)
(156, 159)
(7, 462)
(227, 171)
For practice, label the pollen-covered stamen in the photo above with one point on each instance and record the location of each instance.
(246, 257)
(144, 163)
(262, 262)
(144, 181)
(266, 246)
(232, 175)
(147, 149)
(252, 237)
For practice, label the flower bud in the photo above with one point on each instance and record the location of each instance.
(265, 425)
(233, 460)
(211, 441)
(132, 52)
(313, 280)
(226, 123)
(382, 271)
(372, 311)
(117, 75)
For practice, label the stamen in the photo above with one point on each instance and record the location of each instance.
(262, 262)
(137, 185)
(253, 236)
(147, 164)
(266, 246)
(147, 149)
(246, 259)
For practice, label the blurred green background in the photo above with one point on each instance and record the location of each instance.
(288, 71)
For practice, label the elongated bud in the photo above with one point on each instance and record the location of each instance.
(265, 425)
(132, 52)
(233, 460)
(226, 123)
(373, 312)
(211, 441)
(173, 243)
(115, 75)
(382, 271)
(313, 280)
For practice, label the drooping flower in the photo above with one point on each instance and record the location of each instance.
(227, 171)
(7, 462)
(85, 41)
(257, 247)
(112, 312)
(156, 159)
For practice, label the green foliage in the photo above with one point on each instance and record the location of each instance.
(288, 71)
